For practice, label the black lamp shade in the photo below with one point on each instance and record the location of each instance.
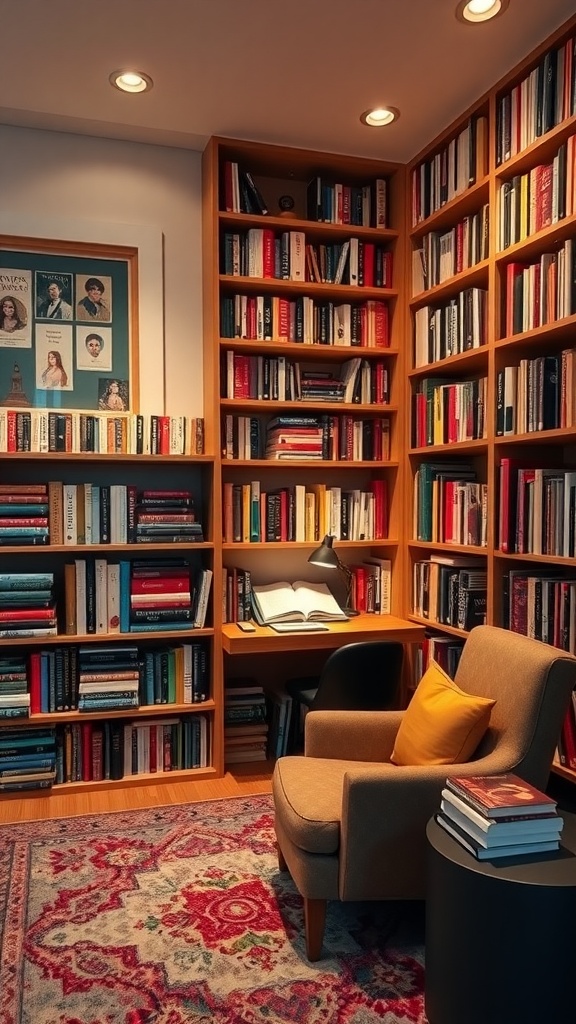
(325, 555)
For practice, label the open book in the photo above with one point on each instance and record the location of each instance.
(295, 602)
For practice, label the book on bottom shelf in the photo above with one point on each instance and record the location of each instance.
(475, 847)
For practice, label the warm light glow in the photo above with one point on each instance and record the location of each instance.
(474, 11)
(131, 81)
(379, 117)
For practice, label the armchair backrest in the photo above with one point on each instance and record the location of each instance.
(531, 683)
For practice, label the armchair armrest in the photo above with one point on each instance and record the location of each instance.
(351, 735)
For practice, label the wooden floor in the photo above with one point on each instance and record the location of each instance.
(244, 780)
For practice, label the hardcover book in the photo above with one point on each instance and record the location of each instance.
(295, 602)
(500, 796)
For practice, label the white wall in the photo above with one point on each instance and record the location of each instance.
(52, 178)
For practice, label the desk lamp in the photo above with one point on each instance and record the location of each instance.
(326, 557)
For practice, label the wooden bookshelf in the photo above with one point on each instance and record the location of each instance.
(533, 223)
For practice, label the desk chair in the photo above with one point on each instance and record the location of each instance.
(363, 676)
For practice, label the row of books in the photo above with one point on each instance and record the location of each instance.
(537, 394)
(567, 740)
(440, 255)
(542, 291)
(46, 431)
(541, 604)
(497, 816)
(444, 650)
(371, 586)
(28, 758)
(446, 411)
(353, 261)
(450, 590)
(239, 191)
(321, 438)
(27, 605)
(304, 512)
(245, 721)
(305, 320)
(340, 203)
(70, 678)
(76, 514)
(545, 97)
(451, 328)
(264, 254)
(103, 597)
(544, 195)
(281, 379)
(455, 167)
(536, 510)
(449, 504)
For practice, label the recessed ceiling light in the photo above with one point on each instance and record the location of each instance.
(473, 11)
(380, 116)
(131, 81)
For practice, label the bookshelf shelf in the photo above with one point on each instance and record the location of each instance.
(347, 465)
(304, 545)
(304, 350)
(144, 711)
(312, 229)
(277, 286)
(271, 405)
(530, 196)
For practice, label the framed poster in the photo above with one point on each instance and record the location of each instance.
(68, 322)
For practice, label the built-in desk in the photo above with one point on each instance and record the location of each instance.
(360, 627)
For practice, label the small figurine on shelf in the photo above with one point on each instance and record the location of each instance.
(286, 204)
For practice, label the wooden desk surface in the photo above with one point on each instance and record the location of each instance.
(361, 627)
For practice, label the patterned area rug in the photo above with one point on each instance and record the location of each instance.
(180, 914)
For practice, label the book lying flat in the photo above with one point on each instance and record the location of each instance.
(295, 602)
(495, 853)
(499, 796)
(298, 627)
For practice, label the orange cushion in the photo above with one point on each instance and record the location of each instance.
(442, 724)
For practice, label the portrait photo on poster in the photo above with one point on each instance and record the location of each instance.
(54, 366)
(94, 349)
(113, 394)
(94, 298)
(53, 295)
(15, 308)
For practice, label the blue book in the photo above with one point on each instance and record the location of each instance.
(125, 571)
(13, 787)
(26, 580)
(44, 683)
(25, 598)
(149, 677)
(23, 510)
(9, 734)
(158, 627)
(25, 760)
(24, 746)
(105, 704)
(23, 531)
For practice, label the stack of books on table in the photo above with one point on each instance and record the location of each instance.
(245, 722)
(495, 816)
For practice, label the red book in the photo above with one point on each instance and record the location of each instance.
(379, 490)
(381, 326)
(153, 765)
(12, 442)
(268, 252)
(160, 585)
(163, 435)
(97, 753)
(26, 614)
(569, 737)
(35, 685)
(86, 734)
(500, 796)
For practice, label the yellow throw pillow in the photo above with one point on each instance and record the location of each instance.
(442, 724)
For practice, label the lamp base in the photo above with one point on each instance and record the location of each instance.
(350, 612)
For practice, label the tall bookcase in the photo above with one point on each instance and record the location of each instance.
(527, 273)
(194, 474)
(244, 177)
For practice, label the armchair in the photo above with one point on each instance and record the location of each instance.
(351, 825)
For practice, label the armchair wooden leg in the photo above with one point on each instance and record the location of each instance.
(282, 865)
(314, 923)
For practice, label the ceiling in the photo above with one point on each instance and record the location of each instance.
(298, 73)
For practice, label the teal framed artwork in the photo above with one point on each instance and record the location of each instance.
(68, 325)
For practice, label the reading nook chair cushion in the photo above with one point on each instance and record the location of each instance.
(442, 724)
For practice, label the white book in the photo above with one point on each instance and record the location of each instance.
(203, 595)
(88, 533)
(70, 520)
(187, 672)
(296, 602)
(297, 256)
(80, 596)
(385, 582)
(101, 580)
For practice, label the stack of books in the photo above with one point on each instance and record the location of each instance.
(495, 816)
(23, 514)
(14, 696)
(167, 516)
(27, 759)
(294, 437)
(245, 722)
(108, 678)
(27, 607)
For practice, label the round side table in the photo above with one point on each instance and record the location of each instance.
(500, 935)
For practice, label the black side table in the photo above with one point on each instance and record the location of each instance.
(500, 935)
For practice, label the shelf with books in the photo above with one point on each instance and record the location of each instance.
(298, 331)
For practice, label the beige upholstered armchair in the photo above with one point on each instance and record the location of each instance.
(351, 825)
